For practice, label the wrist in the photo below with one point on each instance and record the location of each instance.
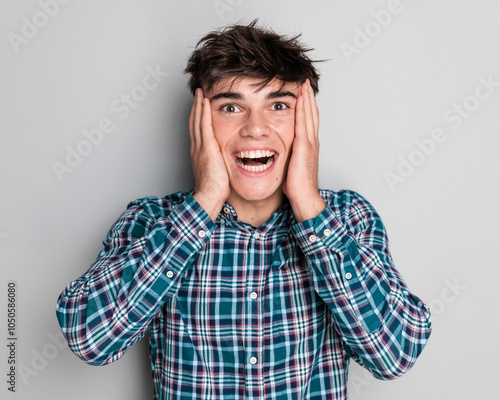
(209, 203)
(307, 207)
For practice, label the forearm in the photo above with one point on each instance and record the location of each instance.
(109, 308)
(384, 326)
(307, 207)
(211, 204)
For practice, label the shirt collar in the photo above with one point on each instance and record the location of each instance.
(283, 217)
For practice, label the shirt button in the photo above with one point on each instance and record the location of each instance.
(327, 232)
(348, 275)
(253, 360)
(222, 220)
(226, 210)
(201, 234)
(170, 274)
(253, 295)
(256, 235)
(313, 238)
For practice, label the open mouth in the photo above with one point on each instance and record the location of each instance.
(255, 160)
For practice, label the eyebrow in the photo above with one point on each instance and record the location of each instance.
(280, 93)
(227, 95)
(238, 96)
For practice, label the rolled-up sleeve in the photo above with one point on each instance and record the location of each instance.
(142, 265)
(384, 327)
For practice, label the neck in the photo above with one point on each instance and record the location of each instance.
(255, 212)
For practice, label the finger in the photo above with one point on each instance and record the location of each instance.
(300, 117)
(191, 121)
(314, 108)
(197, 118)
(309, 119)
(207, 133)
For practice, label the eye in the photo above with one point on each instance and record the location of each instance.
(230, 108)
(279, 106)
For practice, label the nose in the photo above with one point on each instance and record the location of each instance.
(255, 125)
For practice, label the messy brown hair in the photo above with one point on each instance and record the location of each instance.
(249, 51)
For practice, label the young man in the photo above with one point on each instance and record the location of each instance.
(257, 284)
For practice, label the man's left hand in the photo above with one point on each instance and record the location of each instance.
(301, 184)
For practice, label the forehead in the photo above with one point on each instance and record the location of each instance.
(252, 86)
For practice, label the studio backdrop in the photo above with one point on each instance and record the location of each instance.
(94, 110)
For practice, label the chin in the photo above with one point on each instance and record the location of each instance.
(255, 194)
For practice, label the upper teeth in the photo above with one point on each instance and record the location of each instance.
(255, 154)
(268, 155)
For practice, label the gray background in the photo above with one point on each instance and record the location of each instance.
(396, 87)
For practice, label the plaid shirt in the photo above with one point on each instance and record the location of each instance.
(234, 311)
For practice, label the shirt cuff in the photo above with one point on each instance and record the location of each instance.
(192, 223)
(322, 239)
(335, 258)
(319, 233)
(189, 228)
(170, 249)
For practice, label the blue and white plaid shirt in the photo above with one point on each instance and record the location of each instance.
(238, 312)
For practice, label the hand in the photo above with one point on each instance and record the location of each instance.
(301, 184)
(210, 173)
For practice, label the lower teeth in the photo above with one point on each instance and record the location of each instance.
(255, 168)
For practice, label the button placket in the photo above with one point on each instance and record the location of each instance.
(254, 318)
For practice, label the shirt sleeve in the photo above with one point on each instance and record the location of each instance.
(384, 327)
(142, 265)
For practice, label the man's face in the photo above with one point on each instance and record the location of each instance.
(255, 131)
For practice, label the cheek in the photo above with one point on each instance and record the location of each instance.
(286, 131)
(222, 130)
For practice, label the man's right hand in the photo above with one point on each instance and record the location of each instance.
(210, 173)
